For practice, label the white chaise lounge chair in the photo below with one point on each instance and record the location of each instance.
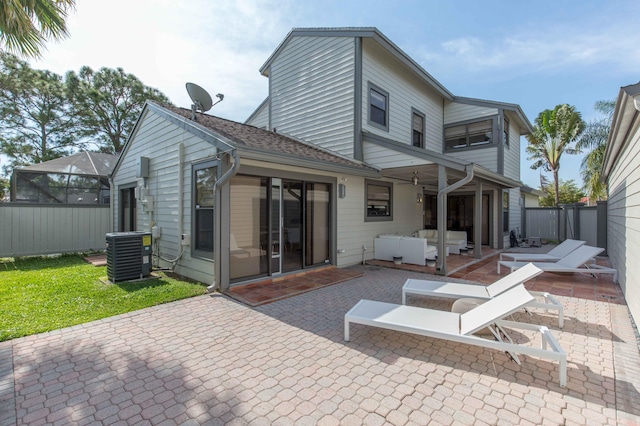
(555, 254)
(479, 293)
(576, 261)
(460, 327)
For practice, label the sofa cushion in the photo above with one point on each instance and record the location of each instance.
(457, 235)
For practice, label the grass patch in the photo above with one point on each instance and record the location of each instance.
(44, 294)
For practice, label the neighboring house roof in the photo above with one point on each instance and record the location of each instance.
(259, 144)
(528, 190)
(84, 163)
(365, 32)
(625, 116)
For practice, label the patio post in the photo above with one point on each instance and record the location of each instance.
(441, 263)
(477, 223)
(441, 266)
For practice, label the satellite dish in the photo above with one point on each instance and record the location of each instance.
(201, 99)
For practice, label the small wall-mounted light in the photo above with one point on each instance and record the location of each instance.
(342, 190)
(419, 198)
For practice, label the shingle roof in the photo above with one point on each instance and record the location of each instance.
(252, 138)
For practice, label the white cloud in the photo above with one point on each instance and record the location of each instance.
(538, 51)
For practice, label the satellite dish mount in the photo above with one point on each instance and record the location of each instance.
(201, 99)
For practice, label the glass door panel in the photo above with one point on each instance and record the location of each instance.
(317, 223)
(460, 214)
(248, 227)
(292, 225)
(276, 226)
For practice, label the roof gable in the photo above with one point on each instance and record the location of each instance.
(364, 32)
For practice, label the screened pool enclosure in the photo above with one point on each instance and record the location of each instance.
(78, 179)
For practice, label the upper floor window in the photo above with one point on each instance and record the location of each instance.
(468, 135)
(417, 129)
(378, 107)
(379, 198)
(204, 176)
(506, 132)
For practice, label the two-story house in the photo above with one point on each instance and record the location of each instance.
(354, 140)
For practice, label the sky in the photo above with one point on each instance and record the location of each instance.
(534, 54)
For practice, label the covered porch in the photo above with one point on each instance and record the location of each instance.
(456, 197)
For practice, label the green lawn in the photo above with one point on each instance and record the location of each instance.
(44, 294)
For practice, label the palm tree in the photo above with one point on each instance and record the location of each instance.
(25, 25)
(553, 133)
(595, 139)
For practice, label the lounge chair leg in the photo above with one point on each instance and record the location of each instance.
(500, 334)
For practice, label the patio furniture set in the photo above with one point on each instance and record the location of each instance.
(418, 249)
(479, 308)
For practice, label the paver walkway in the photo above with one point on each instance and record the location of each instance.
(212, 360)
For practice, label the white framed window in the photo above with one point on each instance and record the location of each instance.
(417, 128)
(379, 201)
(204, 177)
(506, 132)
(473, 134)
(378, 107)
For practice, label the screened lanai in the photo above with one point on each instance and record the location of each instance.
(77, 179)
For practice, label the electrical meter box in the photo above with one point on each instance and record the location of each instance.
(128, 255)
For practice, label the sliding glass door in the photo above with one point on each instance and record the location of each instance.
(277, 225)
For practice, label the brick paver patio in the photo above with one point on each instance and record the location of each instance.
(212, 360)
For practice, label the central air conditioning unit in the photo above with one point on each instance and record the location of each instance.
(128, 255)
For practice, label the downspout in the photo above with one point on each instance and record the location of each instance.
(112, 194)
(441, 267)
(215, 285)
(180, 196)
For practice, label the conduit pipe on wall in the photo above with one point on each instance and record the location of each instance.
(441, 266)
(215, 285)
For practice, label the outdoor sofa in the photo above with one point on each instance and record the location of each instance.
(455, 240)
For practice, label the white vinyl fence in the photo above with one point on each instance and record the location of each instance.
(31, 229)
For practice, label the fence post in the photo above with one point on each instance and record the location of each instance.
(601, 220)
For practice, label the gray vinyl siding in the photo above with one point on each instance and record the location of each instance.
(158, 139)
(485, 156)
(512, 152)
(455, 112)
(406, 91)
(261, 117)
(384, 158)
(312, 92)
(354, 233)
(623, 221)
